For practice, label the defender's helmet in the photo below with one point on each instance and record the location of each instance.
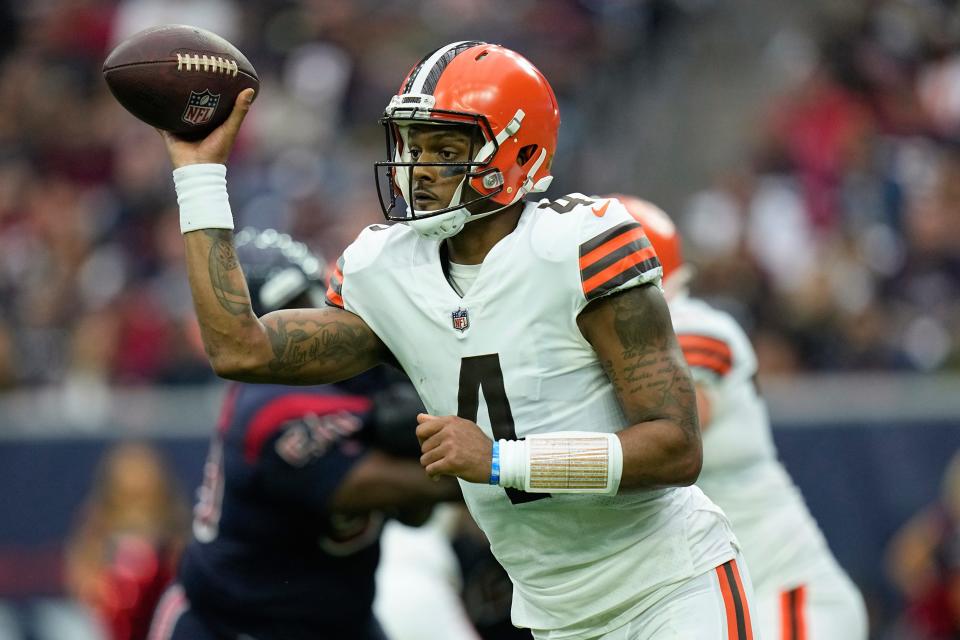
(493, 89)
(279, 270)
(660, 230)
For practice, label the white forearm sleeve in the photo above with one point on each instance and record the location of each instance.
(202, 196)
(563, 462)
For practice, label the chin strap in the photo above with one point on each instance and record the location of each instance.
(448, 224)
(529, 186)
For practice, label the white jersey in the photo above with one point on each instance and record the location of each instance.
(781, 541)
(509, 356)
(419, 581)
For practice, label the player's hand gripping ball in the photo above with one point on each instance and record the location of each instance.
(178, 78)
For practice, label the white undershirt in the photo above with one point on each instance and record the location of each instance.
(462, 276)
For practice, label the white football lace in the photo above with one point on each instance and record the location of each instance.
(187, 62)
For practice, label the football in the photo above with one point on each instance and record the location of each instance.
(178, 78)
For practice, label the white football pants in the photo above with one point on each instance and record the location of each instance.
(827, 607)
(717, 605)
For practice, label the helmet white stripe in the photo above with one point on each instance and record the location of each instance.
(431, 62)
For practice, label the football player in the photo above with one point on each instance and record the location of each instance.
(420, 585)
(801, 593)
(439, 581)
(536, 334)
(287, 524)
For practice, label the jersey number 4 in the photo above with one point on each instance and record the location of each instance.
(566, 204)
(484, 372)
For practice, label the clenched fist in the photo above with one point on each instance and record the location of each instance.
(452, 446)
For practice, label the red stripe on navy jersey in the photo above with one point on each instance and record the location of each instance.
(171, 607)
(228, 407)
(275, 414)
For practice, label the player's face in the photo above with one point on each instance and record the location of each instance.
(433, 186)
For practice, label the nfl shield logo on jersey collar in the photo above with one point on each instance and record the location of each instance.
(461, 320)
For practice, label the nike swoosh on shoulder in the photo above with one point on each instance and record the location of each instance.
(601, 210)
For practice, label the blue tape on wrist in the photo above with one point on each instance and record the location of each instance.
(495, 464)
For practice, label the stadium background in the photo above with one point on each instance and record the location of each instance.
(808, 149)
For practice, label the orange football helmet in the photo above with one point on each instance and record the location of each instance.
(487, 86)
(660, 230)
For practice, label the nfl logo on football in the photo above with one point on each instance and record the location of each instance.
(200, 107)
(461, 321)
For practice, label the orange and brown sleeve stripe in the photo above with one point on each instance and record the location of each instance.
(739, 625)
(335, 286)
(706, 353)
(615, 257)
(793, 622)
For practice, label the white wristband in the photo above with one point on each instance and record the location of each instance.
(563, 462)
(514, 463)
(202, 196)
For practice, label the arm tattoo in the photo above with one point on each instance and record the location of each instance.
(296, 343)
(226, 278)
(650, 365)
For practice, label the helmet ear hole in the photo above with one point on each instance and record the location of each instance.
(525, 153)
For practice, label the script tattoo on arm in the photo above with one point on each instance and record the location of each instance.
(298, 342)
(226, 278)
(650, 377)
(287, 346)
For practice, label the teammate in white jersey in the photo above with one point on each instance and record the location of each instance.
(537, 336)
(801, 592)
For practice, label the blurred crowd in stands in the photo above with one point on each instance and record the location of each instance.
(836, 241)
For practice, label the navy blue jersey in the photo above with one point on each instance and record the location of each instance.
(267, 552)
